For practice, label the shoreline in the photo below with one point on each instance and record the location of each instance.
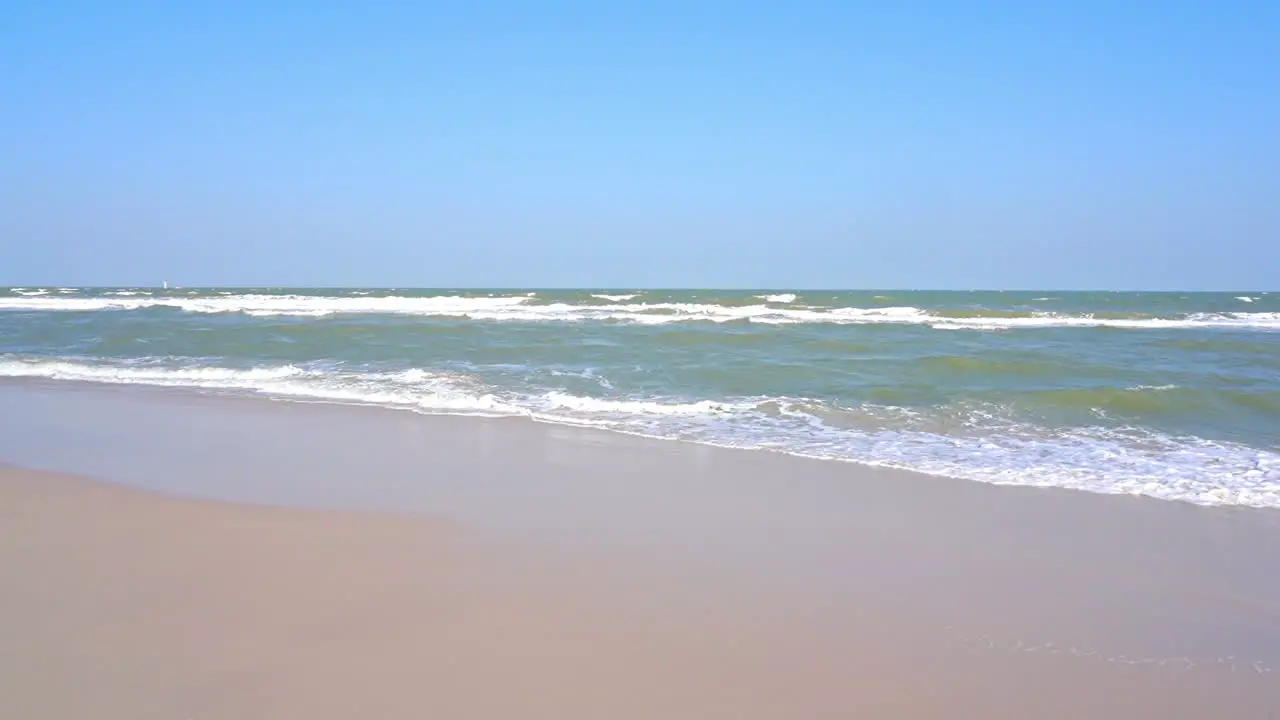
(195, 397)
(193, 393)
(1145, 603)
(1219, 471)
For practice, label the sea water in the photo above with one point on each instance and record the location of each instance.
(1171, 395)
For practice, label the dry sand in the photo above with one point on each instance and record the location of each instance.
(122, 604)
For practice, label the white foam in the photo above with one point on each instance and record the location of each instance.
(779, 298)
(559, 400)
(29, 293)
(1093, 459)
(257, 304)
(198, 376)
(1244, 298)
(413, 388)
(990, 447)
(521, 308)
(615, 298)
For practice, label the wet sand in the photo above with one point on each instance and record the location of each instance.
(476, 568)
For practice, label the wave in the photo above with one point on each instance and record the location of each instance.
(982, 443)
(559, 400)
(265, 305)
(1245, 298)
(409, 388)
(524, 308)
(615, 298)
(779, 298)
(521, 309)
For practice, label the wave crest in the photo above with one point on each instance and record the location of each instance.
(525, 308)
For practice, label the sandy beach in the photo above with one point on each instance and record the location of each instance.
(639, 361)
(175, 595)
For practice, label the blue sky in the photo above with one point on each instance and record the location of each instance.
(834, 144)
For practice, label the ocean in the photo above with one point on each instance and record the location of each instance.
(1170, 395)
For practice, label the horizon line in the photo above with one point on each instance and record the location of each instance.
(633, 288)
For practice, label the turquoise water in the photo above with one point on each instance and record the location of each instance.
(1173, 395)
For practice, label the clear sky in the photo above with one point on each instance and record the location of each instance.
(975, 144)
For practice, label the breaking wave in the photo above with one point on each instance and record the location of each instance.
(526, 308)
